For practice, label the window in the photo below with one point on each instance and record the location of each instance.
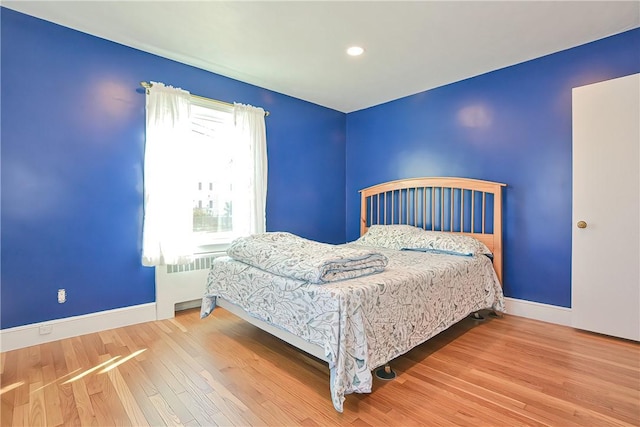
(213, 162)
(205, 175)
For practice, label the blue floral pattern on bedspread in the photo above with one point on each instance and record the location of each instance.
(288, 255)
(365, 322)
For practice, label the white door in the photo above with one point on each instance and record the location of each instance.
(606, 197)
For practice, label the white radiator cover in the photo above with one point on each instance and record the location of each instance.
(181, 285)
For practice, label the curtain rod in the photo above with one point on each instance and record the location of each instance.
(147, 85)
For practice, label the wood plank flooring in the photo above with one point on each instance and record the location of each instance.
(223, 371)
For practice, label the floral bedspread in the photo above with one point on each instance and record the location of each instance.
(288, 255)
(365, 322)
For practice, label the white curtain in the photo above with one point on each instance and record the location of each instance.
(168, 210)
(250, 170)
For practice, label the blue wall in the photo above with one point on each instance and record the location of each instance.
(512, 126)
(72, 147)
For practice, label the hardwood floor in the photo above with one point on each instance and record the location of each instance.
(224, 371)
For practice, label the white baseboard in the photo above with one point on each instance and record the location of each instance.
(39, 333)
(28, 335)
(537, 311)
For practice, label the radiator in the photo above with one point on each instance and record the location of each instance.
(179, 287)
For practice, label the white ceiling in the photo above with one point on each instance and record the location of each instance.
(298, 48)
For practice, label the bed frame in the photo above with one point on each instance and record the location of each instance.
(422, 202)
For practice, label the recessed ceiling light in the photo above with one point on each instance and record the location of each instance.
(355, 51)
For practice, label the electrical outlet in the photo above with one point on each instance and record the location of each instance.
(45, 329)
(62, 296)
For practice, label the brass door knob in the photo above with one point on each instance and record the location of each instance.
(582, 224)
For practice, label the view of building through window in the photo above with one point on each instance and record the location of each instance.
(212, 211)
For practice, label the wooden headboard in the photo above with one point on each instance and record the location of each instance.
(456, 205)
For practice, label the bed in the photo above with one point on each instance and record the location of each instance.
(440, 243)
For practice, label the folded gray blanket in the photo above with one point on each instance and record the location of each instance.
(288, 255)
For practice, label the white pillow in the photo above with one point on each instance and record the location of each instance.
(400, 236)
(395, 236)
(454, 243)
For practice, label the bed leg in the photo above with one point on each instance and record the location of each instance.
(477, 316)
(385, 373)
